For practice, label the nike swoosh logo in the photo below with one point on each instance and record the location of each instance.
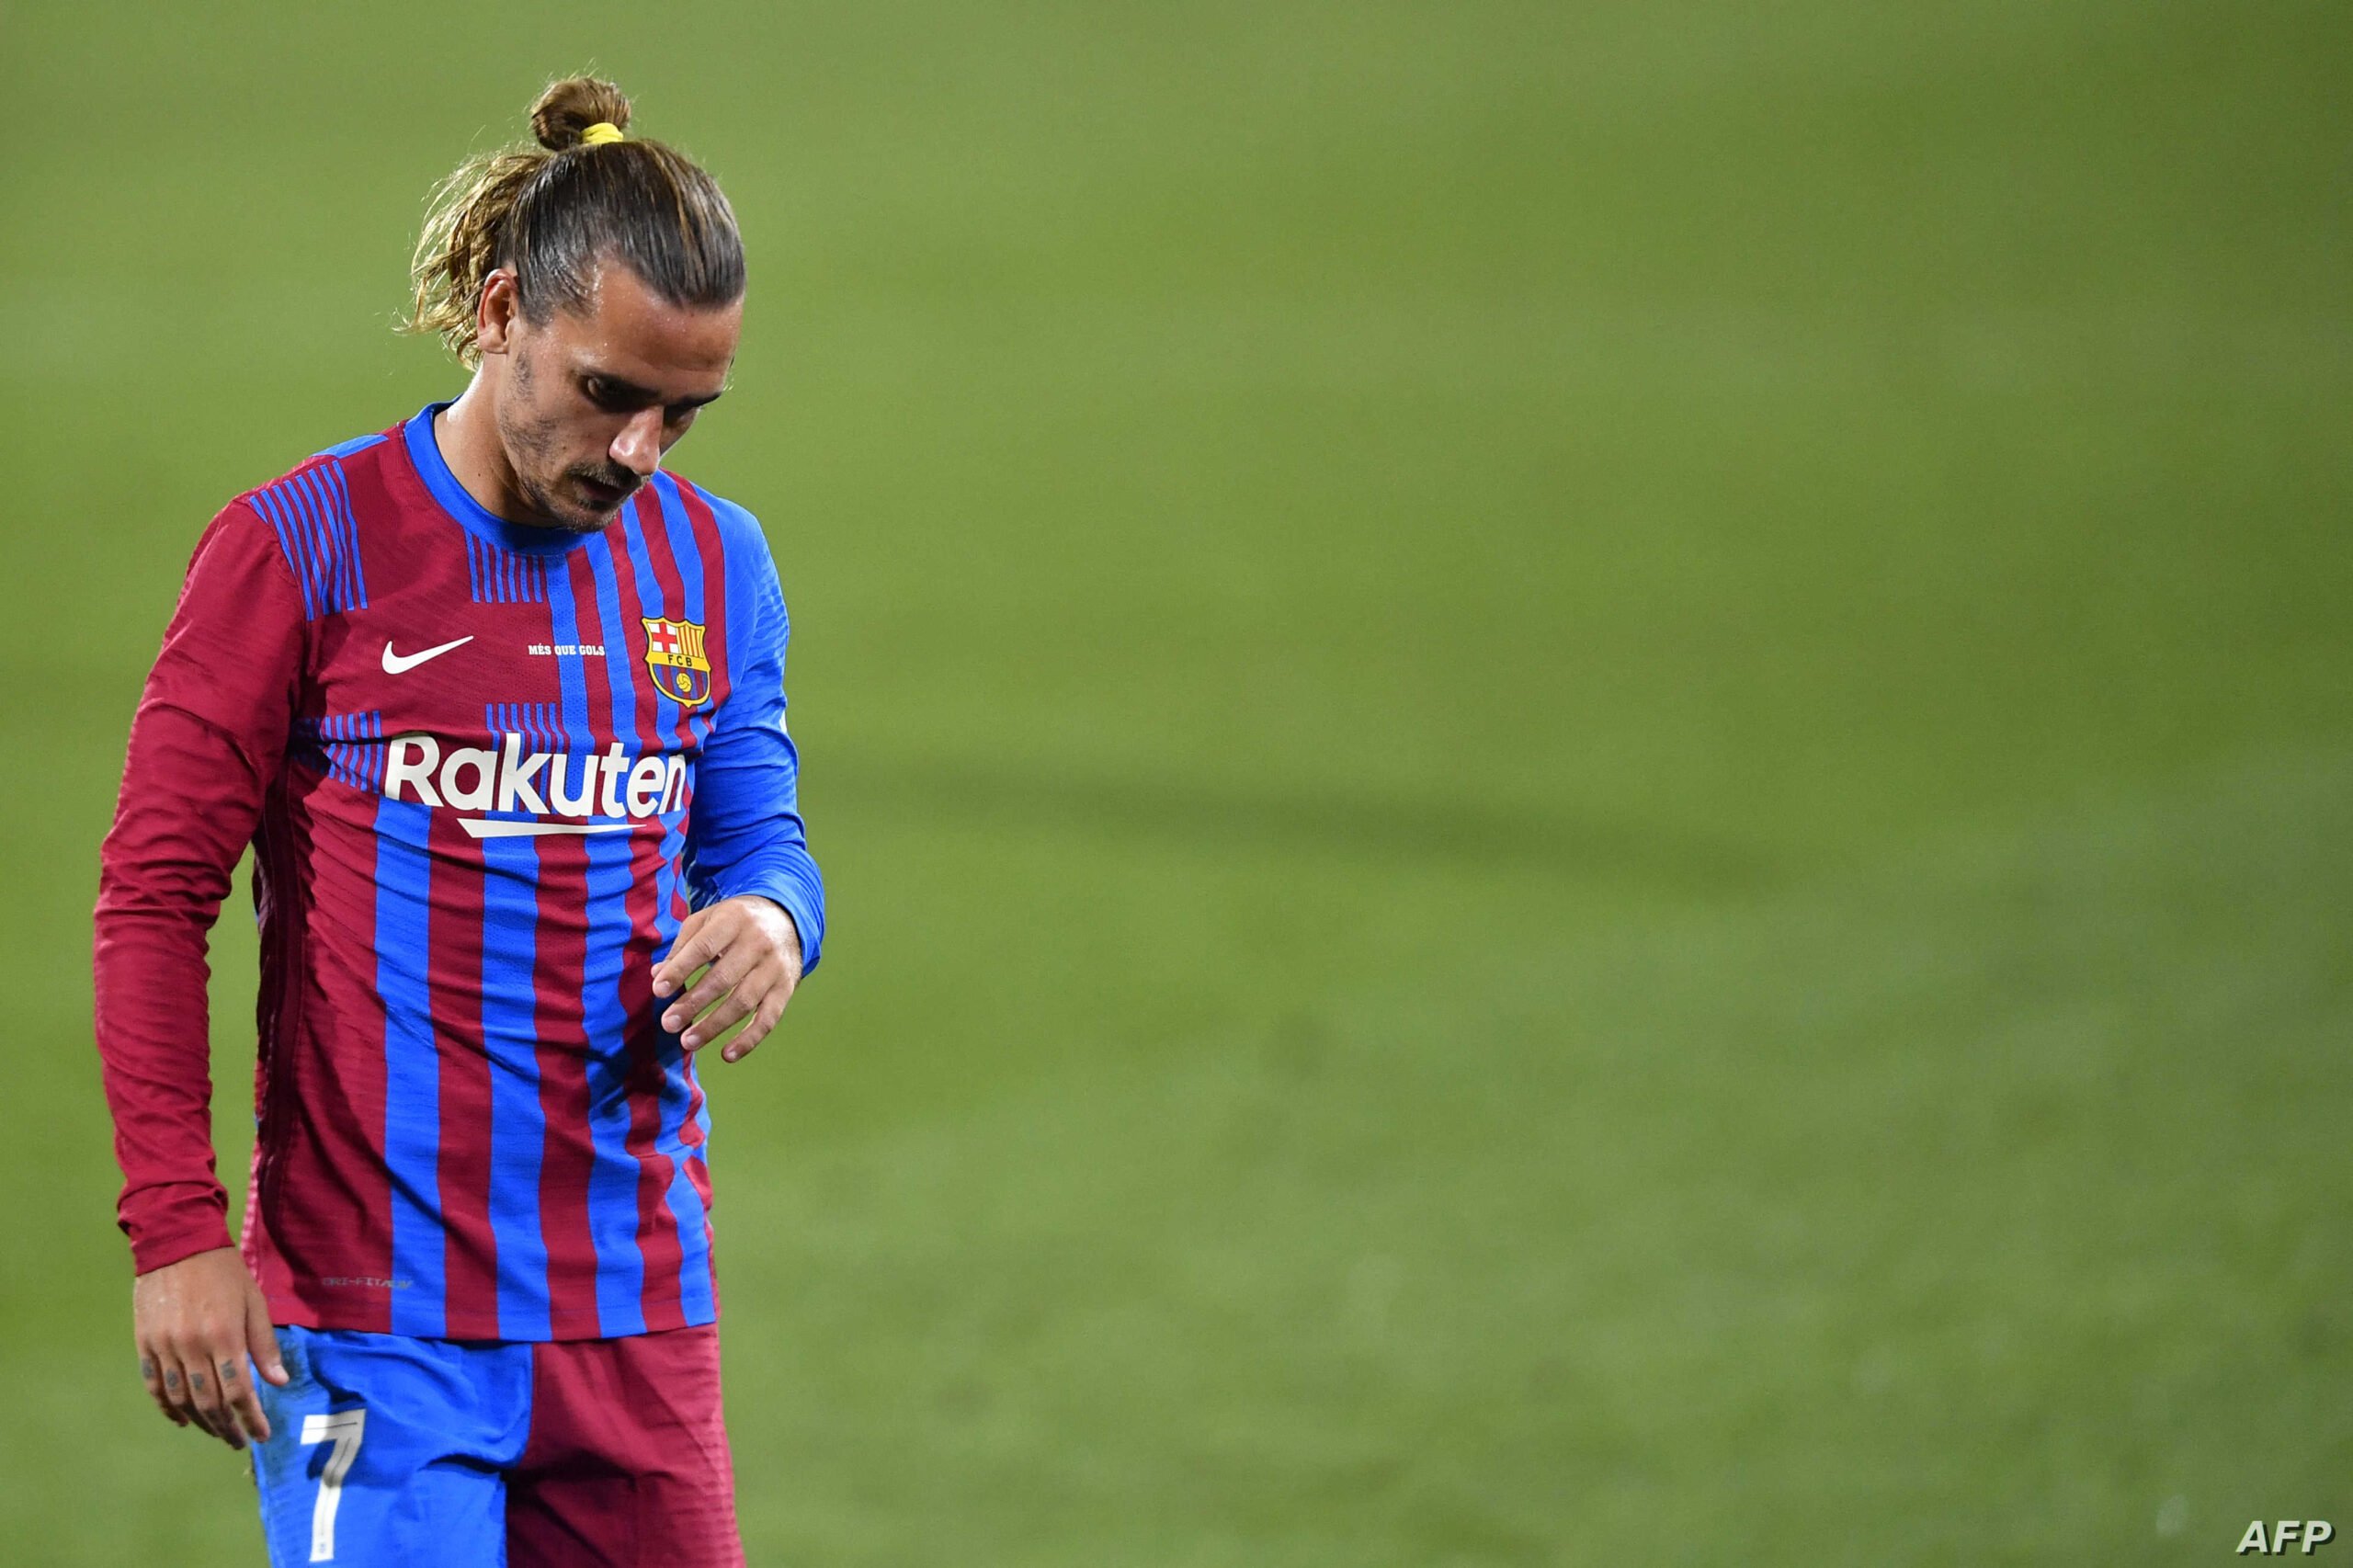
(487, 827)
(395, 664)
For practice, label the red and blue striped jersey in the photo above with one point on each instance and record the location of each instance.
(487, 769)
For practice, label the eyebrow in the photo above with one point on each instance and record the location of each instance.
(630, 391)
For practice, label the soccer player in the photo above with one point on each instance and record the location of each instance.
(500, 704)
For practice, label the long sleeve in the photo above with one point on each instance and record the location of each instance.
(744, 835)
(207, 740)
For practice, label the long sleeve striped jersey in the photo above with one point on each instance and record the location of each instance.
(486, 770)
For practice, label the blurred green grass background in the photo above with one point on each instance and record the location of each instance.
(1587, 770)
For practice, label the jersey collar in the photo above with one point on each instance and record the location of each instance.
(469, 514)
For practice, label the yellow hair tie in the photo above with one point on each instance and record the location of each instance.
(601, 132)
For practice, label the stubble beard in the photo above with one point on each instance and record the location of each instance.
(533, 443)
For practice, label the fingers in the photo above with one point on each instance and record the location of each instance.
(202, 1380)
(196, 1323)
(208, 1402)
(684, 1017)
(241, 1400)
(258, 1350)
(764, 1019)
(748, 951)
(150, 1372)
(696, 945)
(179, 1393)
(234, 1369)
(729, 1007)
(261, 1339)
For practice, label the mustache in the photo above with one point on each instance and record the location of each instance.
(612, 478)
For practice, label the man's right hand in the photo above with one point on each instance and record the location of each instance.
(195, 1322)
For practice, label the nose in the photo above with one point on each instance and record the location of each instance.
(638, 448)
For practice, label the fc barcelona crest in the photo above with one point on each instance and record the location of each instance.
(674, 657)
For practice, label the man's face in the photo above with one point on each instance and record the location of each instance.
(590, 399)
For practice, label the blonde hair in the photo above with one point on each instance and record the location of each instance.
(556, 211)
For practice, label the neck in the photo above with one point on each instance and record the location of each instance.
(466, 433)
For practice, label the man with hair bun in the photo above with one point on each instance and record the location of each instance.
(498, 702)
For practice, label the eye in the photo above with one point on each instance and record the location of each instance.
(604, 395)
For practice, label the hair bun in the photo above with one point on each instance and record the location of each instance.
(572, 106)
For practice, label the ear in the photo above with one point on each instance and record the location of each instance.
(495, 311)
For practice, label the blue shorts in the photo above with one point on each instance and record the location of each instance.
(388, 1449)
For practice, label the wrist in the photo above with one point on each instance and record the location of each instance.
(156, 1247)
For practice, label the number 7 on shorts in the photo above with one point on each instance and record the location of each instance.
(342, 1428)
